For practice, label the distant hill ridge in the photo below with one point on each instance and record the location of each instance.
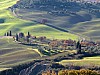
(61, 6)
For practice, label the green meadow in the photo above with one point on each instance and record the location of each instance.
(87, 61)
(89, 28)
(84, 21)
(13, 53)
(10, 22)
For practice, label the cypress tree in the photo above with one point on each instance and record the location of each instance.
(28, 34)
(77, 45)
(7, 34)
(27, 39)
(17, 37)
(10, 34)
(79, 49)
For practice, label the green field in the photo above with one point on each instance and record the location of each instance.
(88, 61)
(12, 54)
(9, 22)
(82, 22)
(89, 28)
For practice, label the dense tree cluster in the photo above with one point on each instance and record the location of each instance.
(59, 7)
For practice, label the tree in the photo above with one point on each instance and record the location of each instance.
(21, 35)
(17, 38)
(7, 34)
(27, 39)
(28, 34)
(77, 72)
(49, 73)
(77, 45)
(10, 34)
(79, 49)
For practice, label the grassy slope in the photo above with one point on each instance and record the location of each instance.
(12, 54)
(86, 61)
(90, 27)
(19, 25)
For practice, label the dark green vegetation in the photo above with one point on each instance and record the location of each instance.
(81, 18)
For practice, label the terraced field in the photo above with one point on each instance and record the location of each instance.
(12, 54)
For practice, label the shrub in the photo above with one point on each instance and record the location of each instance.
(78, 72)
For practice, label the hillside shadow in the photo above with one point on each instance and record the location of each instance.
(50, 25)
(58, 28)
(2, 20)
(28, 24)
(29, 44)
(77, 18)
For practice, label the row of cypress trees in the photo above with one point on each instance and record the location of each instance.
(8, 33)
(78, 46)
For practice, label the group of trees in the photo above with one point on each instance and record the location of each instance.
(20, 36)
(8, 33)
(72, 72)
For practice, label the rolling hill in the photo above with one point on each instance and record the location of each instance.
(82, 18)
(58, 26)
(11, 53)
(9, 21)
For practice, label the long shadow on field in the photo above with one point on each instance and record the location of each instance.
(36, 22)
(2, 20)
(53, 26)
(29, 44)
